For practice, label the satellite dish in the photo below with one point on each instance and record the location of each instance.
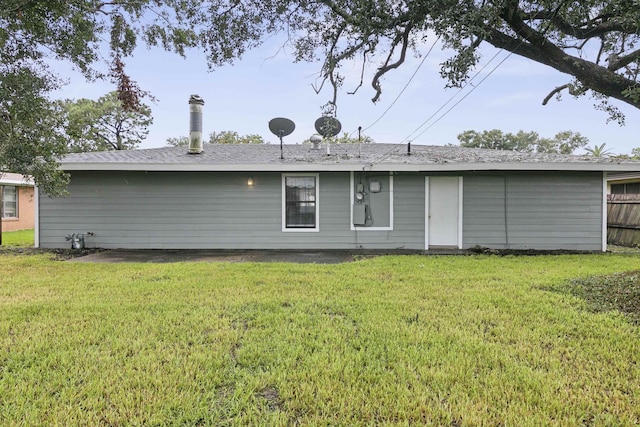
(281, 126)
(328, 126)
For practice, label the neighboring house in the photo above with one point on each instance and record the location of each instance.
(17, 207)
(374, 196)
(624, 183)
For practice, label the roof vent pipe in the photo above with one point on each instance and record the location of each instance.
(316, 140)
(195, 124)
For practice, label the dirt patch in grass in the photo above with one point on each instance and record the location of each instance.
(57, 254)
(525, 252)
(620, 291)
(272, 398)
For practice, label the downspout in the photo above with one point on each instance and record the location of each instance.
(506, 212)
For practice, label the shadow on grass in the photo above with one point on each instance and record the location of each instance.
(620, 291)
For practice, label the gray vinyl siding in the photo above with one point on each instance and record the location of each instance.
(209, 210)
(546, 210)
(159, 210)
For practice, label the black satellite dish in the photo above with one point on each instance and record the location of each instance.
(328, 126)
(281, 127)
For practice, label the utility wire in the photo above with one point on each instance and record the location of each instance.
(408, 138)
(387, 154)
(522, 41)
(404, 88)
(464, 97)
(399, 147)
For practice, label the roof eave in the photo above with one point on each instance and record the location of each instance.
(320, 167)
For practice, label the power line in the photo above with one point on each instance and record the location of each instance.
(464, 97)
(452, 97)
(404, 88)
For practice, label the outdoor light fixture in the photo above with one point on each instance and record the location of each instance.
(250, 182)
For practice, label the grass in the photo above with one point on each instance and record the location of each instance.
(22, 238)
(396, 340)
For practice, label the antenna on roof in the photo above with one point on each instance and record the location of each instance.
(328, 126)
(281, 127)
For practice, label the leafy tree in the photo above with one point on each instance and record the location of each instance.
(224, 137)
(232, 137)
(565, 142)
(346, 138)
(635, 153)
(178, 141)
(593, 42)
(30, 127)
(104, 124)
(598, 150)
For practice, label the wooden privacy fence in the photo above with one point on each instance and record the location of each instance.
(623, 219)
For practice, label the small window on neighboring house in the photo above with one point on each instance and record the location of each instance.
(617, 188)
(628, 188)
(632, 188)
(300, 202)
(9, 202)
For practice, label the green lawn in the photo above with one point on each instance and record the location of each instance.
(22, 238)
(396, 340)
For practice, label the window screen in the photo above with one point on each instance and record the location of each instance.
(300, 201)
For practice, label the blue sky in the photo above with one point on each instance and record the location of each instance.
(243, 97)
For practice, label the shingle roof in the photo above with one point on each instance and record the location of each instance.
(341, 157)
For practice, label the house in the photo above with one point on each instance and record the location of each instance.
(374, 196)
(17, 207)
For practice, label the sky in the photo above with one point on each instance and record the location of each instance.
(507, 95)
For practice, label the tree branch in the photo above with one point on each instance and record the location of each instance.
(585, 30)
(536, 47)
(364, 64)
(404, 38)
(553, 92)
(624, 60)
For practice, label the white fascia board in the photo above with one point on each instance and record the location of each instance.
(320, 167)
(16, 182)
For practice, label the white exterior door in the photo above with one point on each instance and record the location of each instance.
(443, 200)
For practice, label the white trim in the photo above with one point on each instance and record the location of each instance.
(344, 167)
(460, 189)
(284, 205)
(15, 183)
(36, 216)
(426, 213)
(352, 198)
(604, 212)
(15, 179)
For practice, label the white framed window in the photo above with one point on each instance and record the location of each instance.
(9, 202)
(300, 202)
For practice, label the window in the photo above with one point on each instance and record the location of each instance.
(300, 202)
(629, 188)
(9, 202)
